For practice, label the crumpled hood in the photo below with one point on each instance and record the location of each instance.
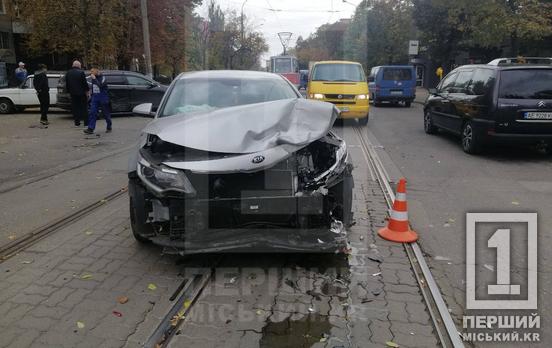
(248, 128)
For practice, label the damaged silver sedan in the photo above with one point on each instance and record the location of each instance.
(239, 161)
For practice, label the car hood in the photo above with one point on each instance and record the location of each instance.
(248, 128)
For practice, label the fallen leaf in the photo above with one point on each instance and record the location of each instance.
(80, 324)
(122, 299)
(86, 276)
(392, 344)
(12, 237)
(259, 312)
(152, 286)
(26, 262)
(88, 233)
(187, 304)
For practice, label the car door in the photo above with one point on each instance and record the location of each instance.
(27, 94)
(119, 92)
(439, 104)
(479, 94)
(460, 107)
(143, 90)
(53, 83)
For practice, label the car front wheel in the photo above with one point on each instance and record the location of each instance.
(429, 128)
(471, 142)
(6, 106)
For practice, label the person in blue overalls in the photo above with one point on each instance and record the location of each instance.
(99, 97)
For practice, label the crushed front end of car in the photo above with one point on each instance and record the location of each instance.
(255, 178)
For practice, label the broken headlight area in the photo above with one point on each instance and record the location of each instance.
(161, 179)
(301, 203)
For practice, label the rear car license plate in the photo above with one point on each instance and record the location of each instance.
(396, 92)
(531, 115)
(343, 108)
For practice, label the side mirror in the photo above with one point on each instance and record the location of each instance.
(152, 85)
(371, 79)
(433, 91)
(145, 109)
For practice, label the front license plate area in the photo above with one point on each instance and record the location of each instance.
(533, 115)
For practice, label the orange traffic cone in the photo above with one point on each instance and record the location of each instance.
(398, 228)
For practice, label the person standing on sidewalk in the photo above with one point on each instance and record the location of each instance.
(43, 91)
(21, 73)
(99, 99)
(76, 84)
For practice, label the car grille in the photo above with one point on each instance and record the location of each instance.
(341, 102)
(343, 96)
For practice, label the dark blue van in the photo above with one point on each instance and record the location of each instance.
(392, 83)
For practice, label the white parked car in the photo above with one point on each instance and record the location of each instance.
(24, 96)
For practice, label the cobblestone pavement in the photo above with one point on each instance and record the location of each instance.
(64, 290)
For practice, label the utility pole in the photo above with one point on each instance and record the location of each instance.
(145, 31)
(242, 29)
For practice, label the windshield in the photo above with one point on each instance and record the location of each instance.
(194, 95)
(338, 73)
(397, 74)
(526, 84)
(282, 65)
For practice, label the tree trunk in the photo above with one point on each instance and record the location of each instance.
(514, 44)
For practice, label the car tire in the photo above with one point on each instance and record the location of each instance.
(471, 141)
(429, 127)
(138, 213)
(363, 121)
(6, 106)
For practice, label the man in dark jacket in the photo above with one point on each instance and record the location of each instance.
(99, 99)
(43, 91)
(75, 81)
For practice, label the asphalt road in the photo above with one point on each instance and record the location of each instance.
(444, 184)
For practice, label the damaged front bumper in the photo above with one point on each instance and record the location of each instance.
(253, 224)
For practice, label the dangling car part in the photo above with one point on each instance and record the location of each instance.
(261, 172)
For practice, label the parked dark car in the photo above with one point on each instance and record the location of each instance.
(493, 103)
(126, 90)
(239, 161)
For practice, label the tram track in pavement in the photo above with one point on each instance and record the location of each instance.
(12, 248)
(444, 325)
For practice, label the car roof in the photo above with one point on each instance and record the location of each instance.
(336, 62)
(394, 66)
(48, 75)
(504, 67)
(230, 74)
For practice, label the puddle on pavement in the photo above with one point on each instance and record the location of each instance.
(299, 333)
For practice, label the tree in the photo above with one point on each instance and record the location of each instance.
(449, 26)
(226, 48)
(170, 35)
(379, 32)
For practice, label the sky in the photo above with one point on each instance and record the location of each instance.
(301, 17)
